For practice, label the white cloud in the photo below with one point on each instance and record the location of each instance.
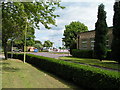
(83, 12)
(52, 35)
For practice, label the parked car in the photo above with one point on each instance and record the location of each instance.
(17, 50)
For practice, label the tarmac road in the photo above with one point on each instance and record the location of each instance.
(51, 55)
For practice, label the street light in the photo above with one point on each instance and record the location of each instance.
(12, 47)
(25, 42)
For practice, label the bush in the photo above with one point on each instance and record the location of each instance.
(73, 46)
(16, 56)
(109, 55)
(88, 54)
(82, 53)
(82, 75)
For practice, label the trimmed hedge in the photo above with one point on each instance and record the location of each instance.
(85, 76)
(82, 53)
(109, 55)
(88, 54)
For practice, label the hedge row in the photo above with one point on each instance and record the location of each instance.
(82, 75)
(87, 54)
(82, 53)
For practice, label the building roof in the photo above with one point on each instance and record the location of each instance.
(94, 30)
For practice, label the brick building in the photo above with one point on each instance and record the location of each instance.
(85, 40)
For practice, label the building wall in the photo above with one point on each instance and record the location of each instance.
(85, 40)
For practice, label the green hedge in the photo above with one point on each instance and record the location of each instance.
(109, 55)
(88, 54)
(85, 76)
(82, 53)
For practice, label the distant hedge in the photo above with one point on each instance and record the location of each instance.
(82, 53)
(88, 54)
(85, 76)
(109, 55)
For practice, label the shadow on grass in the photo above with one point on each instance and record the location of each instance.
(9, 69)
(4, 63)
(67, 82)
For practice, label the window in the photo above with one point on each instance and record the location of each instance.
(92, 42)
(84, 43)
(107, 43)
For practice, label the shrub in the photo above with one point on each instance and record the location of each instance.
(73, 46)
(82, 53)
(108, 55)
(88, 54)
(16, 56)
(85, 76)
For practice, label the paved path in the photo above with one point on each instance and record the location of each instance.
(51, 55)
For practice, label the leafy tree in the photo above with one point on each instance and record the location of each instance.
(73, 46)
(116, 33)
(38, 46)
(18, 16)
(48, 43)
(19, 41)
(60, 47)
(37, 41)
(71, 31)
(9, 25)
(0, 30)
(100, 34)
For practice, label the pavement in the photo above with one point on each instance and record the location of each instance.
(51, 55)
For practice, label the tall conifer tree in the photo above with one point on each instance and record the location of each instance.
(116, 32)
(100, 34)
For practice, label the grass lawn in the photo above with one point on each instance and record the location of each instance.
(96, 62)
(16, 74)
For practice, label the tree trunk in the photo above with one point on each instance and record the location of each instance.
(5, 51)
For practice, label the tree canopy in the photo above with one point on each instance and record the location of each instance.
(37, 41)
(18, 16)
(48, 43)
(38, 44)
(100, 34)
(71, 31)
(116, 33)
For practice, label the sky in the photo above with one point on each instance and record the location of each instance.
(84, 11)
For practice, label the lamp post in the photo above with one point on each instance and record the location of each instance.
(12, 47)
(25, 41)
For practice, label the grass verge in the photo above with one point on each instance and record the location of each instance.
(16, 74)
(105, 63)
